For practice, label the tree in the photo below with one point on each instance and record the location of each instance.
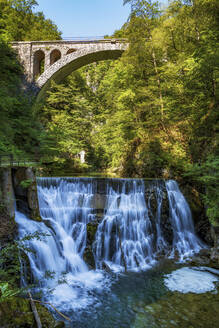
(147, 13)
(67, 118)
(20, 130)
(18, 22)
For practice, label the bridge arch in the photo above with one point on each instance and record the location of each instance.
(38, 63)
(54, 56)
(75, 60)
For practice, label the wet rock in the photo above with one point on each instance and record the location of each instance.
(91, 231)
(32, 197)
(88, 252)
(88, 257)
(59, 324)
(106, 267)
(99, 202)
(25, 188)
(179, 310)
(201, 222)
(199, 260)
(215, 249)
(202, 258)
(166, 225)
(151, 197)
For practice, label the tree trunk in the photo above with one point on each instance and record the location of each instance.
(158, 81)
(34, 309)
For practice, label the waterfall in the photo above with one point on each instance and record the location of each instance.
(124, 237)
(157, 190)
(65, 210)
(131, 234)
(185, 242)
(56, 255)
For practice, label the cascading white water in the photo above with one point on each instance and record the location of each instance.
(128, 238)
(65, 210)
(157, 190)
(185, 242)
(65, 207)
(124, 237)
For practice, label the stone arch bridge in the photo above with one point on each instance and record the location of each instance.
(44, 61)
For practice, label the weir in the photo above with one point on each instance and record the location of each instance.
(134, 221)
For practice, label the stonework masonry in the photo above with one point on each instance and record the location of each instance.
(44, 61)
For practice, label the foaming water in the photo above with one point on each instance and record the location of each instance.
(62, 287)
(185, 242)
(129, 235)
(132, 232)
(124, 237)
(56, 258)
(191, 280)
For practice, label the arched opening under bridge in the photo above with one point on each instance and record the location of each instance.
(54, 56)
(75, 60)
(38, 63)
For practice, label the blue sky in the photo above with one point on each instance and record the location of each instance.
(81, 18)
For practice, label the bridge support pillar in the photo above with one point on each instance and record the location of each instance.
(47, 60)
(25, 56)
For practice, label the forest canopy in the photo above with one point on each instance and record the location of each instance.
(152, 113)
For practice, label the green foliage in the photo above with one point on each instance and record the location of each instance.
(26, 183)
(6, 292)
(68, 115)
(10, 265)
(208, 175)
(11, 257)
(20, 131)
(18, 22)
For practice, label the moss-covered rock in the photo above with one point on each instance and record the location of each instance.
(181, 311)
(16, 312)
(201, 222)
(88, 257)
(88, 252)
(165, 223)
(32, 200)
(91, 231)
(215, 249)
(25, 189)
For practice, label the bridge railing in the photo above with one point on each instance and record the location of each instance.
(82, 38)
(74, 40)
(9, 160)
